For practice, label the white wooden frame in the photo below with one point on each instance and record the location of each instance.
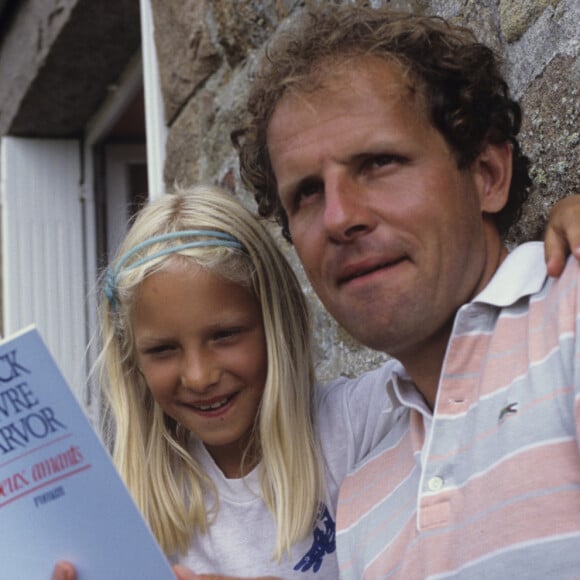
(154, 116)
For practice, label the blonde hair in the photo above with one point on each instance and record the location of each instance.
(149, 448)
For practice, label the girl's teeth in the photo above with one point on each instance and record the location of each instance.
(213, 406)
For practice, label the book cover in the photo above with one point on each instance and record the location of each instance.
(61, 497)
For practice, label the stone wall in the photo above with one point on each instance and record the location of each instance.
(208, 48)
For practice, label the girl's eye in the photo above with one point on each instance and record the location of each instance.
(158, 350)
(226, 333)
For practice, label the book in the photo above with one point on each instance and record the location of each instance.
(61, 497)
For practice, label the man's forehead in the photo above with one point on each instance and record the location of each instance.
(344, 70)
(346, 80)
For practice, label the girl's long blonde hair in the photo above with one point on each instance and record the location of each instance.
(149, 448)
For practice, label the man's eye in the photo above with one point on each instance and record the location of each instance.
(307, 189)
(377, 161)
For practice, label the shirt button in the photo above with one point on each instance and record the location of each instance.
(435, 484)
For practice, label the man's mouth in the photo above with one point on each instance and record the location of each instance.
(365, 271)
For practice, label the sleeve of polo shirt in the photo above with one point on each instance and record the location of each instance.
(562, 321)
(573, 269)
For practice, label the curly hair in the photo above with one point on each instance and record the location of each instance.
(466, 98)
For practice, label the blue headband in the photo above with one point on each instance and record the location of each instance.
(216, 238)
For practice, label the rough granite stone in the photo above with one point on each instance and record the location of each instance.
(516, 16)
(186, 52)
(550, 137)
(243, 25)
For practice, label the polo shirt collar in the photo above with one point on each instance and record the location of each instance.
(522, 273)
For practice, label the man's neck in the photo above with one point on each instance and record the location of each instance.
(425, 362)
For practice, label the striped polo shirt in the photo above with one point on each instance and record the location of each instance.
(487, 486)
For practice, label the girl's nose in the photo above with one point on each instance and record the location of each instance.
(200, 371)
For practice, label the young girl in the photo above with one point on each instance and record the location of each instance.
(230, 451)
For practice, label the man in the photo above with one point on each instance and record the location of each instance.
(386, 146)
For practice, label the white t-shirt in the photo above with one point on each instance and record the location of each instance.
(353, 416)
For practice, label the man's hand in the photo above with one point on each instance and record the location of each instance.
(184, 574)
(562, 234)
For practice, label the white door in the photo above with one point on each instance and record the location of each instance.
(43, 278)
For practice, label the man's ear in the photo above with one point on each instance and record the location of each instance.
(492, 171)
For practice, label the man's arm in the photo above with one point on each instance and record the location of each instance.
(562, 234)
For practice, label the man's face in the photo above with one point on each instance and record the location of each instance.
(389, 230)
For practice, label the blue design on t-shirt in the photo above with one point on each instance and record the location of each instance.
(324, 542)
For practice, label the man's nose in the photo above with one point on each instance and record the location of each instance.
(346, 211)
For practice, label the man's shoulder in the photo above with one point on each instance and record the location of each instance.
(377, 378)
(358, 400)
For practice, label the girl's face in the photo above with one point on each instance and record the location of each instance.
(201, 347)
